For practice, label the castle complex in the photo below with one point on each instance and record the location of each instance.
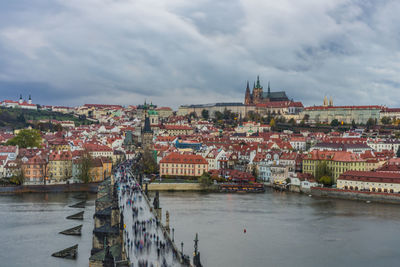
(258, 96)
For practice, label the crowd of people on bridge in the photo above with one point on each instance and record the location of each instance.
(144, 235)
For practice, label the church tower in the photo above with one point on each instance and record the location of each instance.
(20, 99)
(30, 100)
(147, 134)
(325, 104)
(247, 97)
(257, 92)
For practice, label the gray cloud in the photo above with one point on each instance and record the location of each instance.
(175, 52)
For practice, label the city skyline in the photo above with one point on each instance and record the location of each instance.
(174, 53)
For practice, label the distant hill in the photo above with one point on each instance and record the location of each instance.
(16, 118)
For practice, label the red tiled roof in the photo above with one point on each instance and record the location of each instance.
(183, 159)
(178, 127)
(60, 155)
(370, 176)
(343, 156)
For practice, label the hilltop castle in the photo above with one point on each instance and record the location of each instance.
(258, 96)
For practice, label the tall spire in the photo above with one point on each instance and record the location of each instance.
(247, 88)
(269, 89)
(258, 82)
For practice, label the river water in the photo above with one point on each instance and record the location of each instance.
(282, 229)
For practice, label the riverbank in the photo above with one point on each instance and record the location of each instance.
(54, 188)
(355, 195)
(195, 187)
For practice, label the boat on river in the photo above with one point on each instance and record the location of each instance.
(242, 188)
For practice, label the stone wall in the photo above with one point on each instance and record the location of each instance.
(175, 187)
(356, 195)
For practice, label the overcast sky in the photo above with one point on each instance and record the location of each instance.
(172, 52)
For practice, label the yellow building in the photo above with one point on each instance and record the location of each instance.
(176, 164)
(60, 165)
(175, 129)
(164, 112)
(100, 169)
(59, 144)
(337, 161)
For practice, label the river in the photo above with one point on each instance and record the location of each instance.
(282, 229)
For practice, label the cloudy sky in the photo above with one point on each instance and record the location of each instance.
(176, 52)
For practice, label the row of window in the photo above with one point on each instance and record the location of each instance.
(34, 172)
(177, 165)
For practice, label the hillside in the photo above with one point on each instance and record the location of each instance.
(16, 118)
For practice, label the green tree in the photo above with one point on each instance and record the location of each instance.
(398, 152)
(280, 119)
(21, 118)
(322, 170)
(193, 115)
(335, 123)
(326, 180)
(205, 114)
(58, 127)
(205, 179)
(370, 123)
(218, 115)
(26, 138)
(84, 165)
(386, 120)
(149, 162)
(272, 123)
(292, 121)
(353, 124)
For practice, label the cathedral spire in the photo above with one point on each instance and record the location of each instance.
(247, 88)
(258, 81)
(269, 89)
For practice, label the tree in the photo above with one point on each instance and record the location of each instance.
(335, 123)
(306, 117)
(58, 127)
(292, 121)
(322, 170)
(398, 152)
(272, 123)
(326, 180)
(84, 165)
(353, 124)
(370, 123)
(254, 171)
(205, 179)
(386, 120)
(26, 138)
(21, 118)
(280, 119)
(205, 114)
(218, 115)
(148, 162)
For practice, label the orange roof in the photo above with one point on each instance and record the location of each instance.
(183, 159)
(344, 156)
(178, 127)
(60, 155)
